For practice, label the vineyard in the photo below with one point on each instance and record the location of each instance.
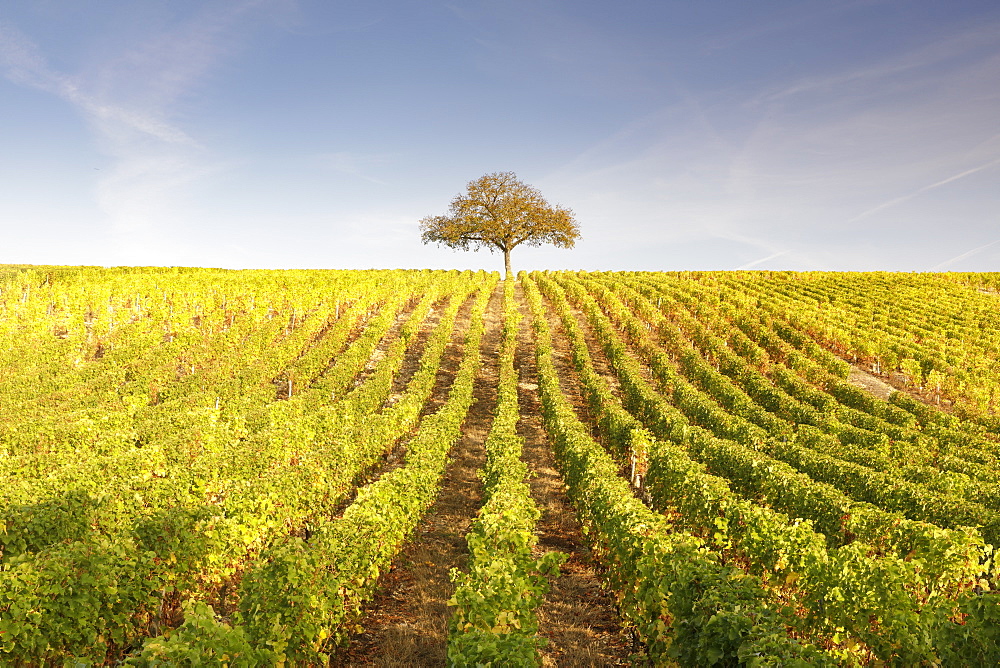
(210, 467)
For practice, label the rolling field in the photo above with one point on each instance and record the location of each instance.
(211, 467)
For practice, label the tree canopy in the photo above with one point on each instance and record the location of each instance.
(499, 212)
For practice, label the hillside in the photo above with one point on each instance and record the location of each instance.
(421, 467)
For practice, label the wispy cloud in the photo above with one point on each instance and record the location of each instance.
(354, 164)
(754, 263)
(937, 184)
(130, 101)
(954, 49)
(784, 168)
(24, 64)
(958, 258)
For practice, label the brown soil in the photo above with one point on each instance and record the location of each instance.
(407, 622)
(413, 351)
(411, 363)
(882, 386)
(870, 383)
(281, 382)
(578, 617)
(598, 359)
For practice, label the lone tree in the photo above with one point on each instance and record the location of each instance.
(500, 213)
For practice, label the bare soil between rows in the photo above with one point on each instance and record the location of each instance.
(407, 622)
(578, 618)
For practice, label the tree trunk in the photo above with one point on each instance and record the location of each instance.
(506, 262)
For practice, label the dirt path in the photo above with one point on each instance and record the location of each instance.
(407, 622)
(883, 385)
(870, 383)
(578, 618)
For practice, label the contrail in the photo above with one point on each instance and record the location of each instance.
(939, 267)
(762, 260)
(938, 184)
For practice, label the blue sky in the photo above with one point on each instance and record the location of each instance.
(685, 135)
